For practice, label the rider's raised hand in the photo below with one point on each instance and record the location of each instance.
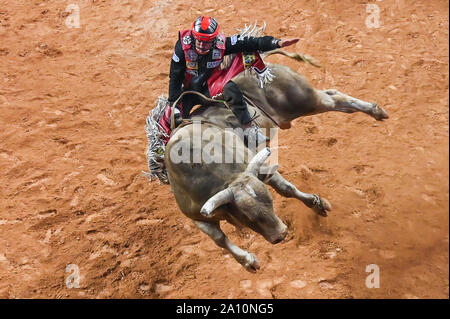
(285, 43)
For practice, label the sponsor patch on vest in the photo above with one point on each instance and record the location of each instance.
(192, 65)
(234, 39)
(219, 40)
(187, 39)
(248, 60)
(191, 55)
(216, 54)
(213, 64)
(175, 57)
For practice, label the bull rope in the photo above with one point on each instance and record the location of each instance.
(204, 97)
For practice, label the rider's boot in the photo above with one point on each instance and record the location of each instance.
(253, 135)
(235, 99)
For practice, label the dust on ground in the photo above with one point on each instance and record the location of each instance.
(73, 103)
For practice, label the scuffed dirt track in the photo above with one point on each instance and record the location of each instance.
(72, 111)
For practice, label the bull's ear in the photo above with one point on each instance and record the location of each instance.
(267, 172)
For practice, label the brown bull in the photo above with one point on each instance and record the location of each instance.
(209, 191)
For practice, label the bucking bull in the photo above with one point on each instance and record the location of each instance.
(208, 191)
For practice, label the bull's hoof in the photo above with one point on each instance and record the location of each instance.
(251, 263)
(379, 113)
(321, 206)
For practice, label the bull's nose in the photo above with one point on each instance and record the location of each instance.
(279, 238)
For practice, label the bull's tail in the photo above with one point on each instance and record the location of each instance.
(296, 56)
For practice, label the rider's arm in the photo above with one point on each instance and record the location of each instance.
(235, 44)
(177, 70)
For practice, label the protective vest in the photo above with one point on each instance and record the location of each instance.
(191, 56)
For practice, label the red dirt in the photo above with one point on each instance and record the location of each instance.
(73, 104)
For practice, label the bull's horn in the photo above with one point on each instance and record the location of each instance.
(221, 198)
(259, 159)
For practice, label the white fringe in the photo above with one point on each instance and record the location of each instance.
(156, 147)
(253, 30)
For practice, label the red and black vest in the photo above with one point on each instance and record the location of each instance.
(191, 57)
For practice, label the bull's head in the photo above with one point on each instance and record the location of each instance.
(251, 202)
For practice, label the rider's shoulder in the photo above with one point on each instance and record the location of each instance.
(178, 53)
(178, 47)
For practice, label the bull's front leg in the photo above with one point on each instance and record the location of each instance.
(320, 205)
(212, 229)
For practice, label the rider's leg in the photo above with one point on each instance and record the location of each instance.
(235, 99)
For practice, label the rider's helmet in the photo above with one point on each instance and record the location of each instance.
(204, 30)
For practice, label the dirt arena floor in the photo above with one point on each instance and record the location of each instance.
(73, 103)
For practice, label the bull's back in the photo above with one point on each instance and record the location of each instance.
(288, 95)
(194, 178)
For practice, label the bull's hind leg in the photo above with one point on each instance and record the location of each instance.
(333, 100)
(320, 205)
(212, 229)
